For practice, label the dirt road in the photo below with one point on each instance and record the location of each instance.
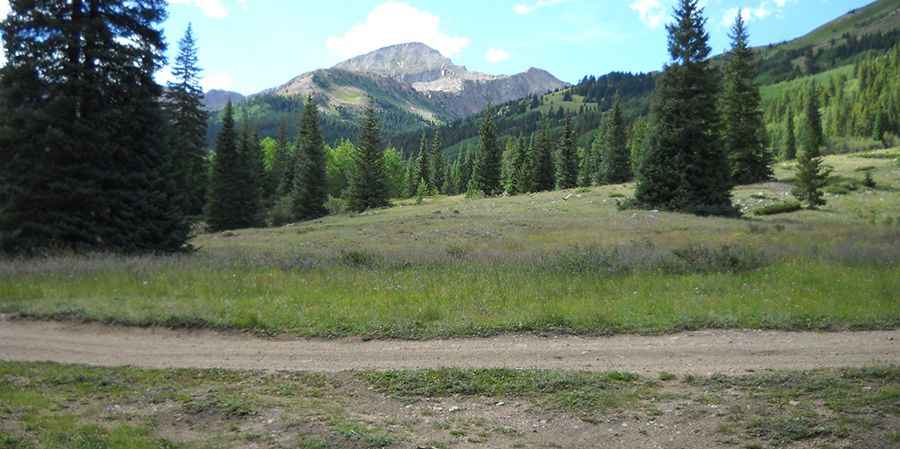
(701, 352)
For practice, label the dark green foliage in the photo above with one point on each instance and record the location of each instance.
(310, 182)
(281, 175)
(424, 161)
(522, 169)
(234, 188)
(778, 208)
(412, 176)
(438, 169)
(187, 130)
(812, 176)
(616, 160)
(567, 171)
(869, 181)
(813, 138)
(543, 178)
(368, 188)
(750, 160)
(487, 177)
(83, 163)
(685, 168)
(790, 140)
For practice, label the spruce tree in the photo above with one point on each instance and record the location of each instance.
(616, 161)
(812, 135)
(283, 160)
(412, 175)
(790, 141)
(368, 189)
(83, 163)
(438, 163)
(543, 178)
(424, 173)
(188, 122)
(750, 160)
(226, 186)
(310, 182)
(567, 170)
(487, 178)
(684, 167)
(811, 174)
(523, 170)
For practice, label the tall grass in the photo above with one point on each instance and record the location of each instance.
(637, 288)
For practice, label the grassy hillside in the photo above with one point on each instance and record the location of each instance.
(566, 261)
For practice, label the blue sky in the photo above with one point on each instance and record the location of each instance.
(250, 45)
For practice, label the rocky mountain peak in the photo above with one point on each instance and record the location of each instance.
(412, 62)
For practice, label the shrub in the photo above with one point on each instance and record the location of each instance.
(336, 205)
(778, 208)
(868, 181)
(281, 214)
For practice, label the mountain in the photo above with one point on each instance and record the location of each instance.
(216, 99)
(412, 85)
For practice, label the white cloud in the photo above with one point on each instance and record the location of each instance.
(211, 8)
(762, 10)
(495, 55)
(651, 12)
(396, 23)
(217, 80)
(526, 8)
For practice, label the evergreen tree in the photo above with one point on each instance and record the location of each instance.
(523, 170)
(543, 178)
(310, 182)
(567, 170)
(684, 167)
(187, 134)
(412, 175)
(438, 164)
(812, 135)
(790, 141)
(281, 163)
(369, 186)
(83, 164)
(616, 161)
(225, 187)
(488, 175)
(423, 160)
(811, 174)
(743, 122)
(249, 176)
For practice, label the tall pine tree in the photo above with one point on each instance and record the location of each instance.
(543, 178)
(368, 188)
(616, 160)
(424, 173)
(811, 174)
(83, 163)
(187, 133)
(310, 182)
(281, 162)
(790, 140)
(750, 160)
(567, 170)
(487, 178)
(225, 187)
(684, 167)
(438, 163)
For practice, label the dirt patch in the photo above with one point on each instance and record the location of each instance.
(703, 352)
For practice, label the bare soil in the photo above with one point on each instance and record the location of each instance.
(701, 352)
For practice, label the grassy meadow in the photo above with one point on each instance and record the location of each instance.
(566, 262)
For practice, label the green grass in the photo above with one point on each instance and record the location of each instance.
(568, 262)
(581, 393)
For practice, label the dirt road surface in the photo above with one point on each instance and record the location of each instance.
(702, 352)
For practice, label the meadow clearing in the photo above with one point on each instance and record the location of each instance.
(559, 262)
